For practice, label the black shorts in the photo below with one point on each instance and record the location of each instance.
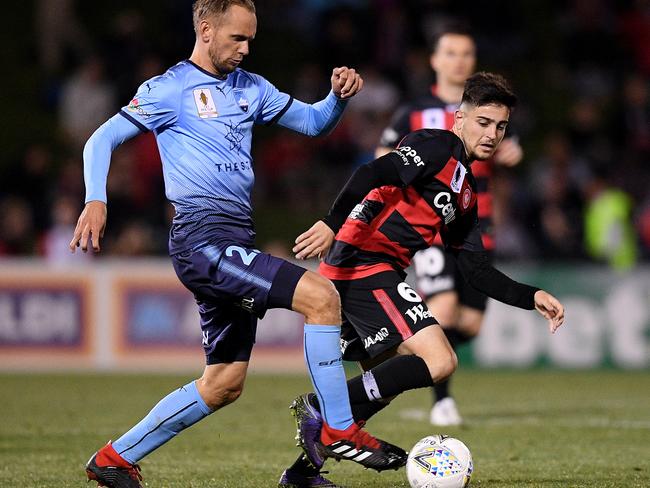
(436, 272)
(234, 284)
(379, 313)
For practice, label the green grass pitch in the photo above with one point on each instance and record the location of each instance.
(525, 429)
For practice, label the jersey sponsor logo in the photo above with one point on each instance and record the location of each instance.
(467, 198)
(418, 312)
(134, 106)
(443, 202)
(234, 166)
(409, 155)
(241, 99)
(458, 178)
(378, 337)
(205, 105)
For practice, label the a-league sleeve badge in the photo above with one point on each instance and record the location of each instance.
(205, 105)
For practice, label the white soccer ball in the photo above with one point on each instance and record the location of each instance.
(439, 461)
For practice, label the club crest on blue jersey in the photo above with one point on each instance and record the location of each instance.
(240, 97)
(205, 105)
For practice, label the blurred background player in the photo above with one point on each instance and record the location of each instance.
(457, 306)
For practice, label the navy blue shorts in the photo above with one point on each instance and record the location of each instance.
(233, 286)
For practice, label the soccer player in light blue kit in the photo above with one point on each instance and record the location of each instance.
(202, 111)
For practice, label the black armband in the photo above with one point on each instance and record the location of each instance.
(377, 173)
(477, 271)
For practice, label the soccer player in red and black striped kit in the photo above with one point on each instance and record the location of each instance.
(389, 209)
(457, 306)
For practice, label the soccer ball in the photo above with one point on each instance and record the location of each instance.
(439, 461)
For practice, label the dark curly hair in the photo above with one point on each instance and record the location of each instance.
(488, 88)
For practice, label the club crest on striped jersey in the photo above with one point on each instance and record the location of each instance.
(467, 198)
(205, 105)
(458, 178)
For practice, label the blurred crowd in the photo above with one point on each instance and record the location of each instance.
(580, 67)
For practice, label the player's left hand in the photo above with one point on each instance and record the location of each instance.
(346, 82)
(314, 242)
(551, 308)
(509, 153)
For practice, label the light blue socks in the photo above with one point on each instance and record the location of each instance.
(177, 411)
(325, 364)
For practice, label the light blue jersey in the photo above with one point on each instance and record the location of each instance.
(203, 125)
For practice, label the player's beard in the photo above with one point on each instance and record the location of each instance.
(221, 68)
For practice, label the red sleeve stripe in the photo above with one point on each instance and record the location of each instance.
(484, 202)
(393, 313)
(446, 174)
(482, 169)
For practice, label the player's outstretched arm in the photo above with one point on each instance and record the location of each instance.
(321, 117)
(484, 277)
(551, 308)
(97, 159)
(314, 242)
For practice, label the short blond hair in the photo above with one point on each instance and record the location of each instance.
(203, 9)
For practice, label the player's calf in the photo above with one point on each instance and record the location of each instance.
(432, 346)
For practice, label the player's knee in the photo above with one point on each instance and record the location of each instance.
(444, 365)
(218, 395)
(325, 306)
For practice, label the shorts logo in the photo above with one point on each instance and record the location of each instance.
(247, 303)
(378, 337)
(205, 105)
(467, 197)
(443, 202)
(205, 337)
(418, 313)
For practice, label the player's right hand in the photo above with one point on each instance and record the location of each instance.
(90, 226)
(551, 308)
(346, 82)
(314, 242)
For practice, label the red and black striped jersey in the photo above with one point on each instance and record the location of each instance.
(430, 112)
(436, 194)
